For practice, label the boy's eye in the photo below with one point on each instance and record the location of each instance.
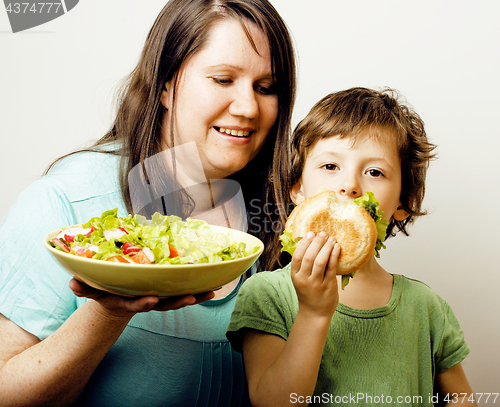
(330, 167)
(375, 173)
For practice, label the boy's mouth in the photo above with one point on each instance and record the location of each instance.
(232, 132)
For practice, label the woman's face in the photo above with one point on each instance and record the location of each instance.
(224, 99)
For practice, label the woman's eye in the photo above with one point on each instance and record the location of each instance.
(221, 81)
(266, 89)
(375, 173)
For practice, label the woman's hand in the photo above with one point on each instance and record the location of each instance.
(313, 272)
(119, 306)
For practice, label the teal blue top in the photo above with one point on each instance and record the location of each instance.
(174, 358)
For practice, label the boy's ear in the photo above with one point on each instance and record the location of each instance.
(400, 214)
(296, 193)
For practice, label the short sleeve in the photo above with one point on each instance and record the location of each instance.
(453, 349)
(34, 290)
(266, 302)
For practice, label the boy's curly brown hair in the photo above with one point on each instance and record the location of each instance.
(346, 114)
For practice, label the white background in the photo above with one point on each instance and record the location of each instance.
(57, 83)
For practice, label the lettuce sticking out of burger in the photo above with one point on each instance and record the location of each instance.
(358, 226)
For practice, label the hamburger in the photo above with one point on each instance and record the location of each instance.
(358, 226)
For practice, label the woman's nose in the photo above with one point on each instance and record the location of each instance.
(245, 103)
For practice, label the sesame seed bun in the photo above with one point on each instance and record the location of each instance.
(351, 226)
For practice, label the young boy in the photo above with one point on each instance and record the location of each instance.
(385, 339)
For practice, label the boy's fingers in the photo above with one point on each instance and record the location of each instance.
(311, 255)
(300, 251)
(323, 257)
(310, 258)
(333, 260)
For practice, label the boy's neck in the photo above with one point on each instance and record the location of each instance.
(370, 288)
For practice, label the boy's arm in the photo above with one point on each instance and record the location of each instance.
(280, 372)
(454, 387)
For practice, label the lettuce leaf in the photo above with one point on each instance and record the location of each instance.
(193, 239)
(345, 279)
(370, 203)
(287, 242)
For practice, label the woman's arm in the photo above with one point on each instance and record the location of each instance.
(55, 371)
(280, 372)
(454, 388)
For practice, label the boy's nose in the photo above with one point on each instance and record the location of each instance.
(350, 187)
(350, 192)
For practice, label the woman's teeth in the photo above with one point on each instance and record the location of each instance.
(237, 133)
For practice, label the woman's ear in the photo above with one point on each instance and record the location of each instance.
(166, 96)
(296, 193)
(400, 214)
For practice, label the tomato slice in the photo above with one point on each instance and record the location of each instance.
(141, 258)
(173, 251)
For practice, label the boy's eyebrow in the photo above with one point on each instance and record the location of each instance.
(322, 153)
(379, 160)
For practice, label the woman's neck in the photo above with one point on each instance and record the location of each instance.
(217, 201)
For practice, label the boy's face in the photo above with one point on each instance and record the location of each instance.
(351, 169)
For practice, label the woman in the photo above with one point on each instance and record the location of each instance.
(216, 77)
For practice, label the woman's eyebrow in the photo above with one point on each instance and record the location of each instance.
(226, 66)
(235, 68)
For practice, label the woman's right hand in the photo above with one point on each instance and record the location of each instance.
(119, 306)
(313, 272)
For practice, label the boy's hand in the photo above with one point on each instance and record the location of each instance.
(314, 274)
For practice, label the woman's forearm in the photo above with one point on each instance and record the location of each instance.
(294, 373)
(55, 370)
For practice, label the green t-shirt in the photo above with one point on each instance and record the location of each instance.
(385, 355)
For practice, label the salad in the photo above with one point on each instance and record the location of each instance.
(138, 240)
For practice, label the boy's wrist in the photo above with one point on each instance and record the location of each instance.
(315, 317)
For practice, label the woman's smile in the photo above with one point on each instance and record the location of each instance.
(233, 132)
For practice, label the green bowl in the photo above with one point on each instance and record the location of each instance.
(162, 280)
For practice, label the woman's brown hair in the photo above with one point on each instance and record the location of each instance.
(180, 30)
(346, 114)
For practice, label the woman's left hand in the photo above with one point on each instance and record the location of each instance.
(116, 304)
